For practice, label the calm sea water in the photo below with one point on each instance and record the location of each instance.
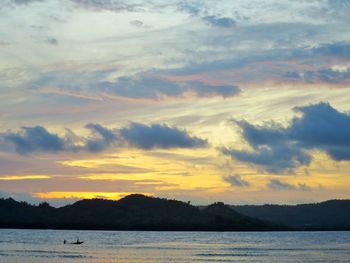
(114, 246)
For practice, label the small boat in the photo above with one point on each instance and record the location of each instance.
(78, 242)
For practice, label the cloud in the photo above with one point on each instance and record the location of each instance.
(191, 8)
(110, 5)
(91, 84)
(37, 138)
(236, 180)
(4, 44)
(137, 23)
(252, 61)
(328, 75)
(280, 149)
(273, 158)
(276, 184)
(324, 128)
(146, 87)
(219, 21)
(25, 2)
(298, 33)
(204, 90)
(102, 140)
(52, 41)
(159, 136)
(155, 88)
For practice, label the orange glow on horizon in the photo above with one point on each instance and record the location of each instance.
(85, 195)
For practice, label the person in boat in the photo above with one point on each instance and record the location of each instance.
(78, 242)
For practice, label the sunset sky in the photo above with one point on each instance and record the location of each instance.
(246, 102)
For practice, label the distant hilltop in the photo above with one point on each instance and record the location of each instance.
(139, 212)
(328, 215)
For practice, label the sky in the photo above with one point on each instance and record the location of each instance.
(246, 102)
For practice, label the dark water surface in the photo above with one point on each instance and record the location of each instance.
(37, 246)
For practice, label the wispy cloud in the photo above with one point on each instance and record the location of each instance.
(110, 5)
(333, 75)
(278, 185)
(225, 22)
(236, 180)
(25, 2)
(157, 88)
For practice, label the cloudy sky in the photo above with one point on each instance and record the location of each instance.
(237, 101)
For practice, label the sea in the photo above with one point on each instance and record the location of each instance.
(46, 246)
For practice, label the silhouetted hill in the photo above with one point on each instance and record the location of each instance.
(23, 215)
(139, 212)
(134, 212)
(331, 215)
(224, 218)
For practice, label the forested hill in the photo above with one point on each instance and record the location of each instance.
(139, 212)
(329, 215)
(134, 212)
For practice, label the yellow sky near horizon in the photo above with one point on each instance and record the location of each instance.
(214, 101)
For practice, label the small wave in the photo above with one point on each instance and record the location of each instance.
(42, 254)
(230, 255)
(283, 249)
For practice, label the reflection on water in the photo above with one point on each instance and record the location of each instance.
(107, 246)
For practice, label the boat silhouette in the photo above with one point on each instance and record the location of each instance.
(78, 242)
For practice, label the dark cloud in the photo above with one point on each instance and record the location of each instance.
(273, 158)
(159, 136)
(31, 139)
(103, 138)
(236, 180)
(276, 184)
(280, 149)
(38, 139)
(327, 75)
(52, 41)
(219, 21)
(324, 128)
(156, 88)
(204, 90)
